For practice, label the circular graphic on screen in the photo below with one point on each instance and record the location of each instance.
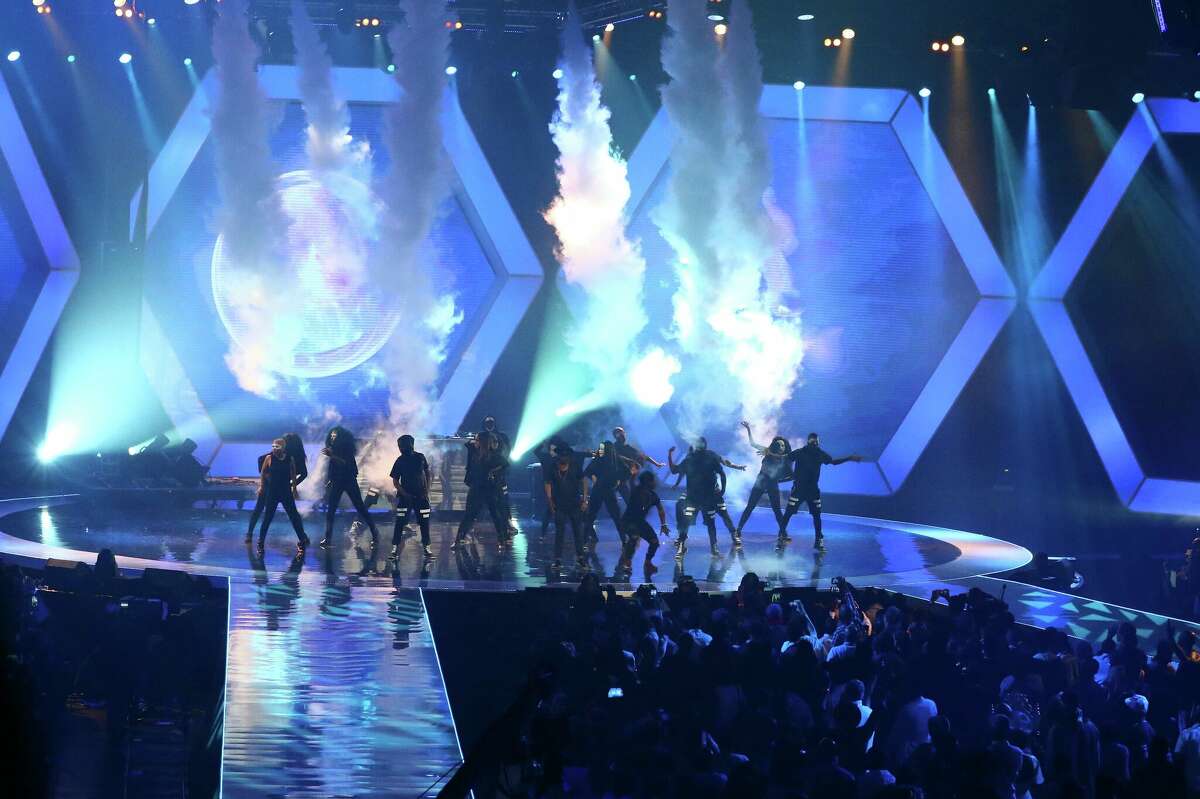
(315, 312)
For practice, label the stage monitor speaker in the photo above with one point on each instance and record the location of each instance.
(65, 575)
(169, 582)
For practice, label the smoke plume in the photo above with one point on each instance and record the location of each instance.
(588, 217)
(251, 220)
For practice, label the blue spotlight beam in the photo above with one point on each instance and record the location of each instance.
(1152, 119)
(62, 261)
(518, 273)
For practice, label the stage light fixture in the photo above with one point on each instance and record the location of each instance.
(516, 73)
(595, 37)
(837, 42)
(152, 21)
(798, 85)
(935, 46)
(187, 62)
(991, 92)
(828, 42)
(945, 47)
(958, 40)
(119, 3)
(848, 33)
(458, 25)
(1024, 48)
(124, 58)
(71, 59)
(557, 74)
(720, 29)
(1138, 97)
(1196, 95)
(633, 77)
(39, 3)
(806, 17)
(609, 28)
(392, 68)
(14, 55)
(925, 92)
(190, 2)
(716, 11)
(44, 9)
(450, 70)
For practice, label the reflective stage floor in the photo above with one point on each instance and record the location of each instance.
(865, 551)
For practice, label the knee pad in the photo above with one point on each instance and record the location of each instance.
(793, 501)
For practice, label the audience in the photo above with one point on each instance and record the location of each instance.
(853, 694)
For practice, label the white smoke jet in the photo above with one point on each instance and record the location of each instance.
(588, 217)
(412, 192)
(330, 146)
(741, 355)
(252, 221)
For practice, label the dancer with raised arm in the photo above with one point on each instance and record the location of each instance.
(486, 479)
(775, 469)
(632, 458)
(342, 478)
(643, 498)
(806, 463)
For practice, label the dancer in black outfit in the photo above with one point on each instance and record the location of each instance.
(635, 526)
(487, 480)
(279, 485)
(774, 470)
(606, 472)
(411, 477)
(806, 465)
(546, 454)
(633, 460)
(704, 471)
(567, 493)
(504, 447)
(295, 451)
(342, 477)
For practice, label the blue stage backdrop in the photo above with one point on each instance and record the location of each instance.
(179, 289)
(898, 288)
(476, 251)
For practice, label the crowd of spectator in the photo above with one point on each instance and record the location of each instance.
(848, 693)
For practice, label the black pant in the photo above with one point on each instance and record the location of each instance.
(406, 506)
(255, 514)
(572, 516)
(705, 504)
(479, 497)
(333, 495)
(811, 496)
(763, 485)
(639, 529)
(606, 498)
(270, 503)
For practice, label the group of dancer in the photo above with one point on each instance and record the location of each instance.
(575, 494)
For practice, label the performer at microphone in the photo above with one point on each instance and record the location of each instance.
(806, 465)
(487, 482)
(411, 478)
(279, 485)
(342, 477)
(774, 470)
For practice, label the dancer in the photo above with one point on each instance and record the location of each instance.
(342, 476)
(278, 484)
(486, 481)
(681, 505)
(567, 492)
(643, 498)
(703, 469)
(503, 446)
(411, 477)
(632, 458)
(806, 465)
(606, 472)
(295, 451)
(546, 456)
(774, 470)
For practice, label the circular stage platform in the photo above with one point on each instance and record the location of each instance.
(868, 552)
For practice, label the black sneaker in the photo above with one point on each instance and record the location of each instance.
(427, 551)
